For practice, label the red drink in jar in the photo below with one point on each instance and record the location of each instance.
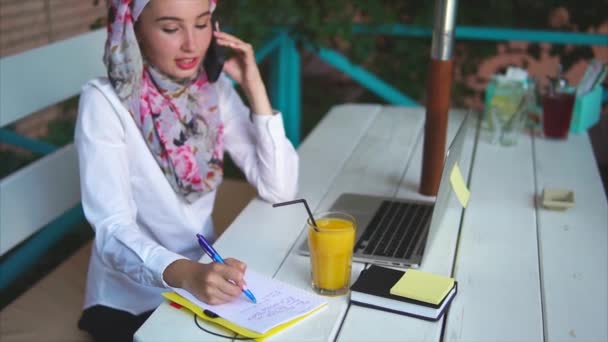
(557, 114)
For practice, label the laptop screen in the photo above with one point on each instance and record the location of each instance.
(453, 156)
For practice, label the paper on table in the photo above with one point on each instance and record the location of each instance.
(459, 185)
(278, 303)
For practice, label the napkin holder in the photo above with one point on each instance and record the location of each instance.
(586, 112)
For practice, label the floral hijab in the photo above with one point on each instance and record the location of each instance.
(180, 122)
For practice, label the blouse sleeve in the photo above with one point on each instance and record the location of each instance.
(258, 146)
(106, 194)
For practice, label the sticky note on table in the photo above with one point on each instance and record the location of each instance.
(423, 286)
(459, 186)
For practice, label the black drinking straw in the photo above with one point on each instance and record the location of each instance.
(301, 200)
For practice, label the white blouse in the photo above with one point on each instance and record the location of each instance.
(141, 225)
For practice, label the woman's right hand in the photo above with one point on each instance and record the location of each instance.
(212, 283)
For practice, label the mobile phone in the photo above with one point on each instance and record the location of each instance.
(214, 59)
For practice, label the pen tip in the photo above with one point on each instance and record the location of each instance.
(251, 296)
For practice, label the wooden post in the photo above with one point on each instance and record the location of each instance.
(438, 97)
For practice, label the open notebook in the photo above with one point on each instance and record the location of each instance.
(279, 306)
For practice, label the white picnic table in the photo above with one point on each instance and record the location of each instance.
(525, 273)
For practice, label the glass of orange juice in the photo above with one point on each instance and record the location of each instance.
(331, 244)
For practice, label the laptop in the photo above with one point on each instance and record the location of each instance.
(393, 231)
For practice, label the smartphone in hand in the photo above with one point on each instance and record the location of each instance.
(214, 59)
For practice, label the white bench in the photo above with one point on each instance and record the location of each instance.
(44, 191)
(39, 193)
(35, 200)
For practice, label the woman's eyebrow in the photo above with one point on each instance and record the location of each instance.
(180, 19)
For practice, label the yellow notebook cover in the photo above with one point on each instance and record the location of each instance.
(423, 286)
(279, 305)
(176, 298)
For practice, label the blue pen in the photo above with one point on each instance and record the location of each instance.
(213, 254)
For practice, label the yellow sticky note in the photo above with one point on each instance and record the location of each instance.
(459, 185)
(423, 286)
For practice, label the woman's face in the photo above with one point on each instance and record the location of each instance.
(174, 35)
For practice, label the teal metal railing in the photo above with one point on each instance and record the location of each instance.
(33, 145)
(489, 34)
(365, 78)
(285, 82)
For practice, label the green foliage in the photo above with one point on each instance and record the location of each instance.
(320, 21)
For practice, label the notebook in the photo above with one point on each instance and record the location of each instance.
(393, 231)
(279, 306)
(372, 290)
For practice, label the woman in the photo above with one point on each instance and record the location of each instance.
(150, 142)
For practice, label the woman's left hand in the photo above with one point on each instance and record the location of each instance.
(243, 69)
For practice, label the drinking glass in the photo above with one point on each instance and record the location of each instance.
(331, 244)
(557, 113)
(507, 112)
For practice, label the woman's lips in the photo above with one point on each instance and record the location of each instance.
(186, 63)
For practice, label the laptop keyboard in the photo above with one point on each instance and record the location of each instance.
(395, 230)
